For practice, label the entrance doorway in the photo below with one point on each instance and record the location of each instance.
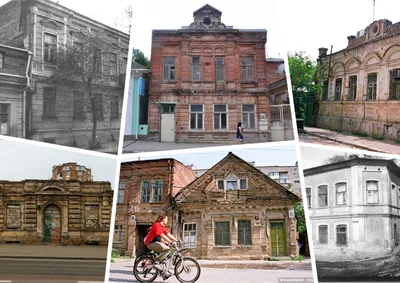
(278, 239)
(52, 224)
(141, 232)
(168, 122)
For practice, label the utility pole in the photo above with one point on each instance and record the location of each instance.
(373, 11)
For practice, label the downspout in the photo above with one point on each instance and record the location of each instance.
(137, 109)
(28, 84)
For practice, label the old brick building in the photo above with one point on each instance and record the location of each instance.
(58, 212)
(354, 208)
(60, 113)
(361, 83)
(231, 211)
(72, 171)
(206, 78)
(146, 190)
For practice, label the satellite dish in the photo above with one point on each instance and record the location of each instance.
(281, 69)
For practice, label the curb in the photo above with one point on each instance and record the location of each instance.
(343, 142)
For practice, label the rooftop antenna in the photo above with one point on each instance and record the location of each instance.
(373, 11)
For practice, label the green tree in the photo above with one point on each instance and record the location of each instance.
(301, 220)
(140, 58)
(303, 77)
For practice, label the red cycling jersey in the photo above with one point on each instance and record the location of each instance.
(156, 230)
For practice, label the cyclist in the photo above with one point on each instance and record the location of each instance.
(158, 238)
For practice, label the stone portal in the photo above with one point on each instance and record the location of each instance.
(52, 224)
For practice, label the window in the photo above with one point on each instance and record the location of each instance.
(308, 193)
(114, 106)
(338, 90)
(79, 105)
(189, 235)
(121, 192)
(196, 68)
(118, 233)
(220, 62)
(4, 113)
(167, 108)
(145, 193)
(322, 196)
(196, 117)
(1, 60)
(221, 184)
(50, 48)
(220, 117)
(325, 89)
(394, 93)
(274, 175)
(80, 173)
(232, 183)
(113, 64)
(98, 101)
(323, 234)
(244, 232)
(169, 71)
(222, 233)
(49, 102)
(352, 87)
(249, 116)
(341, 235)
(341, 194)
(372, 192)
(66, 167)
(284, 178)
(371, 92)
(157, 190)
(247, 69)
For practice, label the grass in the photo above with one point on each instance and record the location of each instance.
(274, 259)
(377, 137)
(359, 133)
(112, 260)
(398, 141)
(299, 257)
(115, 254)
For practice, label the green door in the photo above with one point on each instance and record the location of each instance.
(278, 239)
(47, 228)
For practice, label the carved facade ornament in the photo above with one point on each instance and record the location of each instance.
(207, 17)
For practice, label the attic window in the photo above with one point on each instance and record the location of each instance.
(232, 183)
(207, 21)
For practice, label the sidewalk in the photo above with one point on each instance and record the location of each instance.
(366, 143)
(53, 252)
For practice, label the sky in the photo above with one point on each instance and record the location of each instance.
(173, 14)
(102, 11)
(262, 155)
(20, 161)
(311, 24)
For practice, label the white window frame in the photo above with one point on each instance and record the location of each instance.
(227, 118)
(168, 79)
(376, 86)
(195, 236)
(237, 181)
(190, 116)
(192, 70)
(366, 191)
(327, 195)
(337, 194)
(248, 117)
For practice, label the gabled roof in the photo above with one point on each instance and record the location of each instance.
(185, 195)
(207, 6)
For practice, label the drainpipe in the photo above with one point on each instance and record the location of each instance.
(28, 84)
(137, 108)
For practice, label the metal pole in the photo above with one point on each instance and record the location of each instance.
(373, 11)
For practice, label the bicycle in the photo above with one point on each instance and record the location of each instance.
(174, 264)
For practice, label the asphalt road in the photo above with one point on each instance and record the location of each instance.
(29, 278)
(121, 272)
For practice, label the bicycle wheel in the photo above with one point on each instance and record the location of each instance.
(187, 270)
(144, 270)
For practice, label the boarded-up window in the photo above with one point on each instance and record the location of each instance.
(341, 235)
(91, 216)
(220, 62)
(244, 232)
(222, 233)
(49, 102)
(323, 234)
(13, 216)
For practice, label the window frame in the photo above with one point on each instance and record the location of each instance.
(79, 105)
(189, 231)
(308, 196)
(114, 106)
(222, 244)
(345, 233)
(325, 90)
(196, 113)
(396, 84)
(220, 120)
(220, 67)
(245, 67)
(345, 194)
(377, 191)
(52, 60)
(338, 89)
(119, 232)
(164, 65)
(249, 114)
(153, 187)
(2, 60)
(327, 196)
(142, 192)
(375, 88)
(192, 68)
(49, 103)
(319, 234)
(121, 192)
(238, 183)
(112, 64)
(238, 232)
(352, 94)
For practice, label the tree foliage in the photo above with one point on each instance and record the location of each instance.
(140, 58)
(124, 21)
(301, 220)
(303, 77)
(86, 66)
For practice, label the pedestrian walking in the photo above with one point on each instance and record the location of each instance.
(239, 132)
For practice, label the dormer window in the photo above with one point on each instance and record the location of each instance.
(232, 183)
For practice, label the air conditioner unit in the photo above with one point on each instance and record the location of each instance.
(4, 129)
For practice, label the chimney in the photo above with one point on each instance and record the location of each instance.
(322, 52)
